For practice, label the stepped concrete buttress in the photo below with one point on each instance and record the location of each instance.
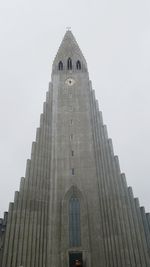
(73, 207)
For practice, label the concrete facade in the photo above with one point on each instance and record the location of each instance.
(73, 156)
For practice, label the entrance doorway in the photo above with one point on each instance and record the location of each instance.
(75, 259)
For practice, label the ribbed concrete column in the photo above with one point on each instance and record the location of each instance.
(101, 188)
(130, 230)
(141, 232)
(146, 227)
(138, 236)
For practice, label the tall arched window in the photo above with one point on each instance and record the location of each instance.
(74, 222)
(60, 65)
(69, 64)
(78, 65)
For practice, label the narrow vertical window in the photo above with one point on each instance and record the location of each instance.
(74, 222)
(69, 64)
(60, 65)
(71, 136)
(72, 153)
(78, 65)
(72, 171)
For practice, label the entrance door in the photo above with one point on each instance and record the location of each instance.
(75, 259)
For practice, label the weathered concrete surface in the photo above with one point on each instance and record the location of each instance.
(73, 155)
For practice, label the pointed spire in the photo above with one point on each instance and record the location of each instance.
(69, 48)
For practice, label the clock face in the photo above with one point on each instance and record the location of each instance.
(70, 81)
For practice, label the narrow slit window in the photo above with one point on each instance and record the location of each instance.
(71, 136)
(72, 171)
(74, 222)
(78, 65)
(72, 153)
(60, 65)
(69, 64)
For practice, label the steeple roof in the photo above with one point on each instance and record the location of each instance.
(69, 44)
(69, 48)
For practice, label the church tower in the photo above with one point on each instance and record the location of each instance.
(74, 208)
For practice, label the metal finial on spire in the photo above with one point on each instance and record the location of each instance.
(68, 28)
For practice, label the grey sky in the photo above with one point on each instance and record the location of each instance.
(115, 39)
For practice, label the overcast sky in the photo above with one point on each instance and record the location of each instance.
(115, 39)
